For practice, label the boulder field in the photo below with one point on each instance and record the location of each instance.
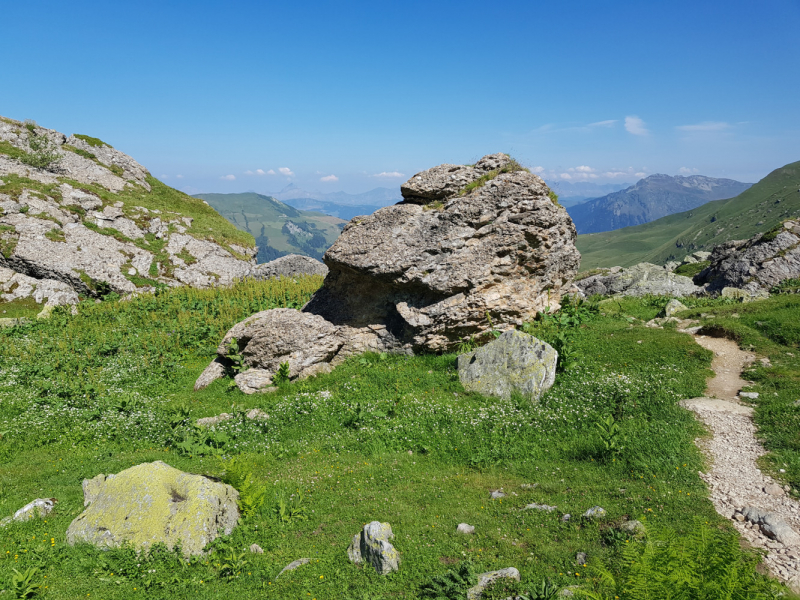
(470, 248)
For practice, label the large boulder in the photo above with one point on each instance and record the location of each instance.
(469, 248)
(757, 264)
(514, 362)
(154, 503)
(291, 265)
(373, 547)
(639, 280)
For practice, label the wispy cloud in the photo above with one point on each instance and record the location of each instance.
(286, 171)
(606, 123)
(228, 177)
(179, 176)
(635, 125)
(329, 178)
(256, 172)
(271, 172)
(705, 126)
(389, 174)
(687, 171)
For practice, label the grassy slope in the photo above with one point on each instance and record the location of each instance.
(396, 440)
(771, 200)
(250, 212)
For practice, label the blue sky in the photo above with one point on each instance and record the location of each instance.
(355, 95)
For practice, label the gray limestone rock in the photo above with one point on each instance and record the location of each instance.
(596, 512)
(771, 525)
(757, 264)
(215, 370)
(580, 559)
(514, 362)
(372, 546)
(639, 280)
(291, 265)
(673, 307)
(254, 381)
(41, 507)
(544, 507)
(465, 528)
(294, 565)
(256, 549)
(773, 489)
(496, 494)
(633, 527)
(485, 580)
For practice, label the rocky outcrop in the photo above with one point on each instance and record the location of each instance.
(291, 265)
(639, 280)
(154, 503)
(469, 248)
(78, 225)
(373, 547)
(514, 362)
(754, 265)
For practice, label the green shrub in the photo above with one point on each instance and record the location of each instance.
(238, 472)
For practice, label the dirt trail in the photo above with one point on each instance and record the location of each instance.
(734, 479)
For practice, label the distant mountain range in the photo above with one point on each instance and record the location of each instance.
(278, 228)
(570, 194)
(338, 204)
(756, 210)
(649, 199)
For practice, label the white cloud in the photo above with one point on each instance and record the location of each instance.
(705, 126)
(329, 178)
(566, 176)
(584, 169)
(687, 171)
(635, 126)
(389, 174)
(607, 123)
(249, 173)
(640, 174)
(537, 170)
(260, 172)
(228, 177)
(256, 172)
(615, 174)
(286, 171)
(179, 176)
(271, 172)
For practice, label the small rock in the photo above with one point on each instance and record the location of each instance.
(771, 525)
(673, 307)
(535, 506)
(528, 486)
(566, 518)
(786, 488)
(748, 395)
(256, 549)
(464, 528)
(216, 420)
(498, 494)
(773, 489)
(738, 517)
(257, 414)
(372, 546)
(485, 580)
(634, 527)
(581, 559)
(293, 565)
(41, 507)
(596, 512)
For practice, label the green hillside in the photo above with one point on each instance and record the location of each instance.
(278, 228)
(758, 209)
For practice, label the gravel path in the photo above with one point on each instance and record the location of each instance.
(734, 479)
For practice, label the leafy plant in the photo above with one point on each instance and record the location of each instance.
(610, 435)
(235, 357)
(289, 508)
(252, 492)
(452, 585)
(281, 376)
(203, 442)
(233, 563)
(22, 585)
(43, 153)
(546, 590)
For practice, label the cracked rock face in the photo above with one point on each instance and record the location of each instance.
(443, 265)
(68, 241)
(639, 280)
(754, 265)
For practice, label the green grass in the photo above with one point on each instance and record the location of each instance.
(390, 438)
(511, 167)
(691, 269)
(92, 141)
(756, 210)
(20, 309)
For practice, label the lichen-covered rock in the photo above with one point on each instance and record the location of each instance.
(291, 265)
(673, 307)
(639, 280)
(485, 580)
(41, 507)
(596, 512)
(154, 503)
(372, 546)
(514, 362)
(757, 264)
(293, 565)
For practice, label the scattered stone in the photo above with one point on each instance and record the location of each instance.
(256, 549)
(773, 489)
(291, 265)
(498, 494)
(581, 559)
(256, 414)
(596, 512)
(212, 421)
(673, 307)
(464, 528)
(529, 486)
(154, 503)
(215, 370)
(738, 517)
(255, 381)
(748, 395)
(773, 526)
(633, 527)
(514, 362)
(485, 580)
(41, 507)
(639, 280)
(372, 546)
(535, 506)
(293, 565)
(566, 518)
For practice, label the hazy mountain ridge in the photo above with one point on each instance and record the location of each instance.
(278, 228)
(758, 209)
(649, 199)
